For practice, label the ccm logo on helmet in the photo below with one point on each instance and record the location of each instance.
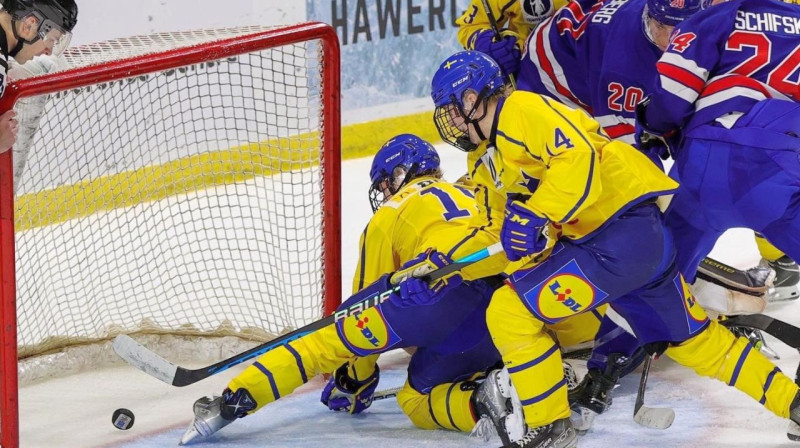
(460, 81)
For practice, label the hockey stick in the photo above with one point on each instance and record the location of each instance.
(784, 332)
(386, 393)
(656, 418)
(154, 365)
(497, 34)
(492, 20)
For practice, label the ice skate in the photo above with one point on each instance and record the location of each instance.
(559, 434)
(581, 417)
(793, 433)
(787, 276)
(496, 403)
(593, 394)
(214, 413)
(756, 339)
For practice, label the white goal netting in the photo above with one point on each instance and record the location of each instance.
(185, 200)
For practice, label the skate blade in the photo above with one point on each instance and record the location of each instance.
(191, 435)
(782, 294)
(582, 419)
(484, 429)
(793, 433)
(768, 352)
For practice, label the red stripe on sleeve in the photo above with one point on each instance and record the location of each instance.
(681, 75)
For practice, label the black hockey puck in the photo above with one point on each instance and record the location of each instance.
(122, 418)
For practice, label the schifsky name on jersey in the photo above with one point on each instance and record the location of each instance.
(767, 21)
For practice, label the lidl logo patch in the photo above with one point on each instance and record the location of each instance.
(696, 317)
(366, 332)
(565, 293)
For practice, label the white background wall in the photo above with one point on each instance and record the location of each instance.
(106, 19)
(374, 50)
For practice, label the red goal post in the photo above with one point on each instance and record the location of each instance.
(195, 190)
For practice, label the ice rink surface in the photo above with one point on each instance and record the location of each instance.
(75, 411)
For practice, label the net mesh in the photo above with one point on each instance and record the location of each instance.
(187, 200)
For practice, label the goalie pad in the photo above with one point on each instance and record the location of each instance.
(715, 298)
(754, 281)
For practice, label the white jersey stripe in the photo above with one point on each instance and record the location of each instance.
(686, 64)
(627, 138)
(610, 120)
(724, 95)
(544, 76)
(678, 89)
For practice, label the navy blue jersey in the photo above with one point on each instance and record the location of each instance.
(723, 60)
(593, 55)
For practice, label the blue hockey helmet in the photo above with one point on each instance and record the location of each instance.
(672, 12)
(464, 71)
(399, 160)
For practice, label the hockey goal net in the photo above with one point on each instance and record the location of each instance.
(179, 183)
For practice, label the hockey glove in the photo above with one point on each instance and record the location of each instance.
(414, 290)
(524, 232)
(654, 144)
(504, 50)
(343, 393)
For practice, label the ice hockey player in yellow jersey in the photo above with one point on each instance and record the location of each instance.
(514, 18)
(414, 210)
(565, 181)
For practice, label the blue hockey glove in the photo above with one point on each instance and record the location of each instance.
(524, 232)
(414, 291)
(343, 393)
(504, 51)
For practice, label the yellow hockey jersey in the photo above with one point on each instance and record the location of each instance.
(508, 13)
(571, 172)
(558, 156)
(428, 212)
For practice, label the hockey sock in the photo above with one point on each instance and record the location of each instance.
(279, 372)
(447, 406)
(717, 353)
(531, 356)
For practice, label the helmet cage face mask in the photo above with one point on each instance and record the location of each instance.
(463, 73)
(388, 184)
(453, 122)
(668, 13)
(56, 38)
(646, 18)
(397, 162)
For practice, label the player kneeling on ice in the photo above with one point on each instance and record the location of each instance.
(415, 210)
(566, 180)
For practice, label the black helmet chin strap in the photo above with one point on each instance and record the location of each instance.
(476, 121)
(17, 48)
(20, 40)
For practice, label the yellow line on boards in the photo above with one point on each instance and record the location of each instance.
(207, 170)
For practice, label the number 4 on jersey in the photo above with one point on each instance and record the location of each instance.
(681, 42)
(562, 139)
